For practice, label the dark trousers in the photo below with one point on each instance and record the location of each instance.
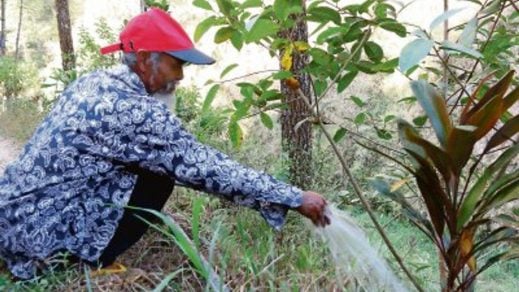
(151, 192)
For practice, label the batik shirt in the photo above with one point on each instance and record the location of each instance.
(68, 188)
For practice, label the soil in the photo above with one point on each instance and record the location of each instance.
(9, 150)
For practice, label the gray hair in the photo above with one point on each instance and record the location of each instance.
(130, 60)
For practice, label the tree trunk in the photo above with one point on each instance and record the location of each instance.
(68, 59)
(17, 44)
(297, 135)
(2, 29)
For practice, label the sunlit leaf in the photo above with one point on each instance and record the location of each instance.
(223, 34)
(462, 49)
(204, 26)
(435, 108)
(322, 13)
(202, 4)
(486, 117)
(443, 17)
(262, 28)
(251, 3)
(414, 52)
(283, 8)
(466, 243)
(360, 118)
(468, 35)
(286, 59)
(358, 101)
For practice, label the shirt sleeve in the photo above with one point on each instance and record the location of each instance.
(145, 133)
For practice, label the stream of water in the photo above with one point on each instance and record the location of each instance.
(358, 265)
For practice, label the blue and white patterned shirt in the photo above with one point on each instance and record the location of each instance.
(68, 188)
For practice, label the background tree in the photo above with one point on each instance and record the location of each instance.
(19, 30)
(2, 28)
(68, 59)
(296, 129)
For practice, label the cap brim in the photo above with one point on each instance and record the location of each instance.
(193, 56)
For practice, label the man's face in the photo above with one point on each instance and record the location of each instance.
(162, 77)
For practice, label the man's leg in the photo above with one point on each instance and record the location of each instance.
(151, 192)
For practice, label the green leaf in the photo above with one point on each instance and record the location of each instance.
(346, 80)
(204, 26)
(477, 190)
(283, 8)
(420, 121)
(282, 75)
(443, 17)
(223, 34)
(330, 33)
(262, 28)
(383, 134)
(468, 35)
(209, 98)
(388, 66)
(195, 221)
(339, 134)
(360, 118)
(202, 4)
(228, 69)
(266, 120)
(251, 3)
(414, 52)
(237, 40)
(321, 13)
(462, 49)
(435, 108)
(358, 101)
(225, 6)
(373, 51)
(236, 134)
(395, 27)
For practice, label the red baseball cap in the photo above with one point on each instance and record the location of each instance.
(156, 31)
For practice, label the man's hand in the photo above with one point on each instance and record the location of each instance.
(313, 207)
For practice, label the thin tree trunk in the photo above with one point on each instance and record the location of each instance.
(2, 29)
(68, 59)
(296, 135)
(17, 45)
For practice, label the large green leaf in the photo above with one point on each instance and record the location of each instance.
(223, 34)
(283, 8)
(204, 26)
(505, 133)
(509, 191)
(323, 14)
(477, 191)
(235, 133)
(461, 135)
(413, 53)
(435, 108)
(395, 27)
(373, 51)
(202, 4)
(262, 28)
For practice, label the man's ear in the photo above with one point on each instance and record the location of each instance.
(142, 60)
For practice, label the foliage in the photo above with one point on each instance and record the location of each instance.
(162, 4)
(341, 51)
(14, 76)
(88, 55)
(461, 194)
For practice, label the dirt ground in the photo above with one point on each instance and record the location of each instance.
(8, 152)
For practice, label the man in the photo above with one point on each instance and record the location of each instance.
(107, 144)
